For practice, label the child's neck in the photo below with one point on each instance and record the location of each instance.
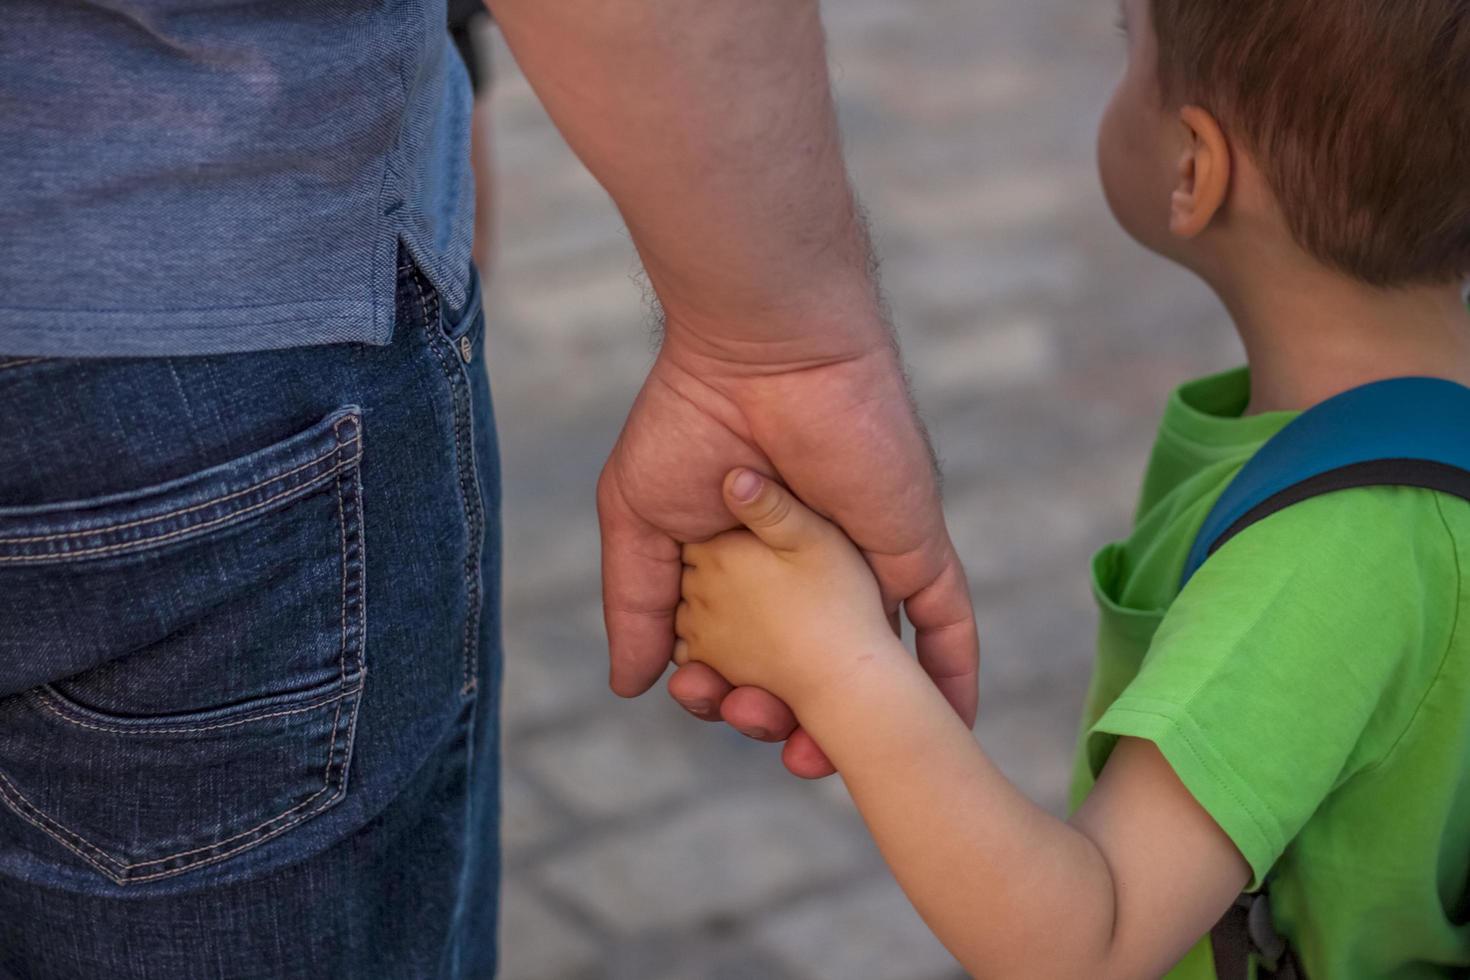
(1310, 337)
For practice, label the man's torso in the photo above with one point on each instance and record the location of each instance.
(196, 176)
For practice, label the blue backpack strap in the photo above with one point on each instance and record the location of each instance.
(1412, 432)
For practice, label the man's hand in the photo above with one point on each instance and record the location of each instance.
(710, 122)
(843, 436)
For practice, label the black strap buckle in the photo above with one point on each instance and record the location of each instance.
(1268, 944)
(1248, 930)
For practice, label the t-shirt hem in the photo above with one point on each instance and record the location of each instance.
(167, 333)
(1210, 780)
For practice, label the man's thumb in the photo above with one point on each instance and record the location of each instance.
(770, 510)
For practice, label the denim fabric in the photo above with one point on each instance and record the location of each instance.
(249, 660)
(270, 154)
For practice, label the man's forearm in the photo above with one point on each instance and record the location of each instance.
(711, 124)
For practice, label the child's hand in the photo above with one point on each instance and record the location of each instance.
(789, 606)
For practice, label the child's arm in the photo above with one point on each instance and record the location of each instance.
(1122, 890)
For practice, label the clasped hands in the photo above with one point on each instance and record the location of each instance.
(786, 603)
(842, 436)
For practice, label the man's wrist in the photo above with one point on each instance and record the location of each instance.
(820, 284)
(830, 324)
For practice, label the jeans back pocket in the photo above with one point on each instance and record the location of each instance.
(181, 665)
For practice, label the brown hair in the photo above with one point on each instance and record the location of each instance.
(1356, 111)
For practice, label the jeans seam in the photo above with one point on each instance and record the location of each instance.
(357, 589)
(342, 524)
(469, 487)
(335, 771)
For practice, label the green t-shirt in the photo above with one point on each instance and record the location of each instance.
(1310, 687)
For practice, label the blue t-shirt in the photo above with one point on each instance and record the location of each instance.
(205, 176)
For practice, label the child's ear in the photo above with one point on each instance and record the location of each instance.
(1203, 181)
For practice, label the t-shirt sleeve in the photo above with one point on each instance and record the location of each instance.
(1282, 654)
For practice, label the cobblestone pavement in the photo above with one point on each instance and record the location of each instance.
(641, 844)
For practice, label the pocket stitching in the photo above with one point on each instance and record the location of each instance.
(335, 771)
(110, 528)
(46, 823)
(342, 464)
(52, 704)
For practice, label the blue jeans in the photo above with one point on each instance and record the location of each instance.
(250, 660)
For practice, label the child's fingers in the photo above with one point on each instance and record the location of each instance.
(681, 620)
(691, 584)
(771, 511)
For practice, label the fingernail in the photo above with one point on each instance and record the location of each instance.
(757, 733)
(745, 486)
(698, 707)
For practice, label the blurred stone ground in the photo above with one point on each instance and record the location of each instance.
(641, 844)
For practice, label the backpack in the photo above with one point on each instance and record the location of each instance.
(1410, 432)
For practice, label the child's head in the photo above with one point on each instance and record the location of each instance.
(1338, 131)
